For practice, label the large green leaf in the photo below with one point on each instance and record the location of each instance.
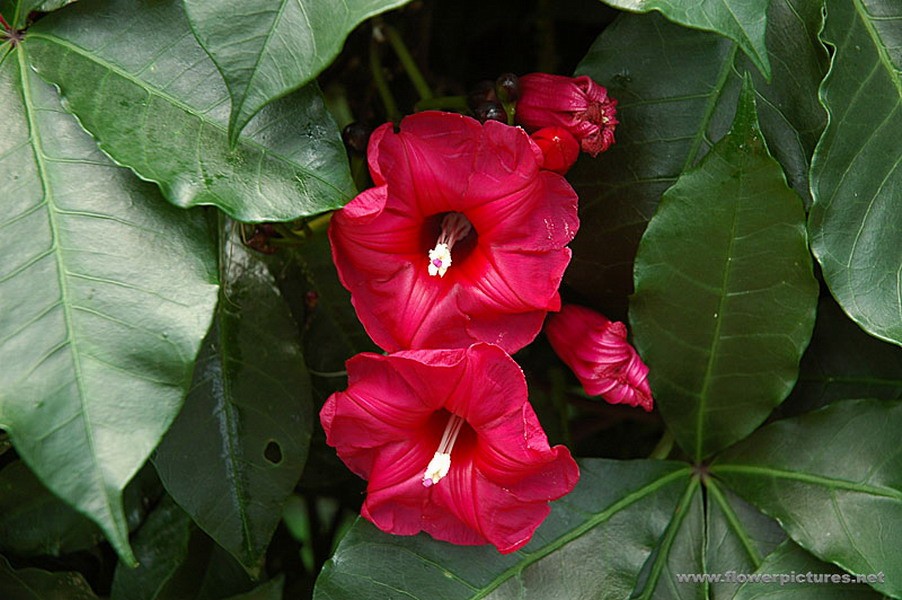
(37, 584)
(266, 48)
(670, 111)
(239, 446)
(743, 21)
(856, 220)
(789, 560)
(591, 546)
(107, 293)
(137, 80)
(833, 479)
(725, 296)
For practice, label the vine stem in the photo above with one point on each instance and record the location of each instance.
(5, 25)
(407, 61)
(391, 107)
(665, 445)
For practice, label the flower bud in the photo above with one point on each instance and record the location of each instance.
(507, 87)
(599, 355)
(356, 136)
(559, 148)
(490, 111)
(577, 104)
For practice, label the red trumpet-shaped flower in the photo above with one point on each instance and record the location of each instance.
(598, 353)
(449, 445)
(577, 104)
(462, 240)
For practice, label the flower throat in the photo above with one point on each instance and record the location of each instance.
(441, 462)
(455, 227)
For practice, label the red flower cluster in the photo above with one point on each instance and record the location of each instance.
(453, 260)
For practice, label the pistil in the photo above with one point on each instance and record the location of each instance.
(455, 227)
(441, 462)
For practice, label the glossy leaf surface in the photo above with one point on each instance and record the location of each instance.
(160, 107)
(267, 48)
(844, 507)
(725, 295)
(742, 21)
(671, 111)
(592, 545)
(238, 448)
(107, 292)
(856, 175)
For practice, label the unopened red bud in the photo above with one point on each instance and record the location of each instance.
(559, 148)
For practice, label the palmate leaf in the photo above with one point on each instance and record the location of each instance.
(856, 174)
(677, 91)
(137, 80)
(725, 295)
(239, 446)
(833, 478)
(743, 21)
(591, 546)
(267, 48)
(107, 292)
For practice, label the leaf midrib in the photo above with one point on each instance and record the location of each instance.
(810, 478)
(153, 91)
(63, 287)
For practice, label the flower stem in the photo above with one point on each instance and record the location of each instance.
(455, 103)
(665, 445)
(5, 24)
(407, 61)
(391, 107)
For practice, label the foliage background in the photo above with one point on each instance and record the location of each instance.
(159, 379)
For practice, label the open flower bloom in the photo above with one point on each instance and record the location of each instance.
(449, 445)
(462, 240)
(577, 104)
(598, 353)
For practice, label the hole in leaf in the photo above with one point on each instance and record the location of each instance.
(273, 453)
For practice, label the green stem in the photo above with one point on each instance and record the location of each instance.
(320, 223)
(455, 103)
(407, 61)
(391, 107)
(665, 445)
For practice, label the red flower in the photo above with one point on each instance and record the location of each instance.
(559, 148)
(598, 353)
(449, 445)
(462, 240)
(577, 104)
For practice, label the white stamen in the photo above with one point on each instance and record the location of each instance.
(440, 464)
(455, 227)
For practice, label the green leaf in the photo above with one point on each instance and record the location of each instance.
(743, 21)
(161, 547)
(137, 80)
(833, 479)
(591, 546)
(843, 362)
(34, 522)
(670, 111)
(725, 296)
(107, 293)
(855, 222)
(737, 536)
(789, 560)
(239, 446)
(37, 584)
(267, 48)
